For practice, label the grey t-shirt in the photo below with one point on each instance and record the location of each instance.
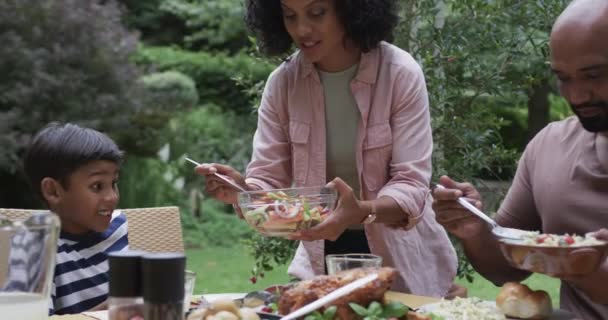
(561, 186)
(342, 117)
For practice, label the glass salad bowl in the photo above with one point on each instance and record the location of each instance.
(281, 212)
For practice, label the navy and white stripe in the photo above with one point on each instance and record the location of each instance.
(81, 274)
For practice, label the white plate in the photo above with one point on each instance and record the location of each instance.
(557, 314)
(214, 296)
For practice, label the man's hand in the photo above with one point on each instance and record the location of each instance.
(593, 284)
(451, 215)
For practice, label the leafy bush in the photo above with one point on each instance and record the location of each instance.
(477, 54)
(515, 115)
(214, 228)
(170, 90)
(156, 26)
(211, 24)
(149, 182)
(214, 74)
(60, 60)
(208, 135)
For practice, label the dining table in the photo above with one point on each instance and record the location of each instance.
(410, 300)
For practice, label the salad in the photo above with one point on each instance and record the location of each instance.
(279, 213)
(536, 238)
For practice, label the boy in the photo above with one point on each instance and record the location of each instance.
(75, 171)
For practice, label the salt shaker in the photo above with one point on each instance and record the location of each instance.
(163, 286)
(125, 300)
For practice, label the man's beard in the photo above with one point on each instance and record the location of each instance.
(595, 123)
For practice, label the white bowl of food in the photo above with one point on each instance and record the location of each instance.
(555, 255)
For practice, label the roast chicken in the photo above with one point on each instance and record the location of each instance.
(309, 290)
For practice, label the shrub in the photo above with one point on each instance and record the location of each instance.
(156, 26)
(170, 90)
(210, 24)
(214, 74)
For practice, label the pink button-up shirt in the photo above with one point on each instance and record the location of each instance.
(393, 157)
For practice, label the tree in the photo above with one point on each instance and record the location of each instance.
(61, 60)
(478, 55)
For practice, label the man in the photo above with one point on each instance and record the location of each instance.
(561, 184)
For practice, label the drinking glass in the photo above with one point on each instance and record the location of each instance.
(27, 262)
(189, 282)
(340, 262)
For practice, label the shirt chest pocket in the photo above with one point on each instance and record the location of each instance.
(377, 155)
(299, 135)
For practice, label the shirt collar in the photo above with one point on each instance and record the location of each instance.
(367, 72)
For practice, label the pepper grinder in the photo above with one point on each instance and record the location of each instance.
(163, 286)
(125, 300)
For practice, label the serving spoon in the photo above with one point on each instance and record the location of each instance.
(221, 176)
(497, 230)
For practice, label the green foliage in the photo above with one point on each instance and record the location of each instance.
(215, 228)
(156, 26)
(63, 60)
(148, 182)
(476, 54)
(165, 95)
(376, 311)
(213, 73)
(209, 135)
(170, 90)
(211, 24)
(269, 252)
(515, 114)
(328, 314)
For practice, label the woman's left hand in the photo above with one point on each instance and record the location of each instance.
(349, 211)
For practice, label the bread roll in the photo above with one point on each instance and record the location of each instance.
(517, 300)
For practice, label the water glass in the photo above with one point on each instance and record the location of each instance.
(340, 262)
(189, 282)
(27, 262)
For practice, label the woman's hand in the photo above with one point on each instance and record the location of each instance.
(218, 188)
(453, 216)
(348, 211)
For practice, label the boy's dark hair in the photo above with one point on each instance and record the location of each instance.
(366, 22)
(60, 149)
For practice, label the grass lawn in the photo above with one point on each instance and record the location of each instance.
(222, 270)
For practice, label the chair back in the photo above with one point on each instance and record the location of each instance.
(157, 229)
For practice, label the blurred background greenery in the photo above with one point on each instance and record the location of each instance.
(168, 78)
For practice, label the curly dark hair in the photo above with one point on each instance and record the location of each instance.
(366, 23)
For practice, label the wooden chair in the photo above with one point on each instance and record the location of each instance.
(156, 229)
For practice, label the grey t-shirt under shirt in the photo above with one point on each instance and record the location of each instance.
(342, 117)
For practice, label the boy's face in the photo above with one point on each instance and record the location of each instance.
(88, 199)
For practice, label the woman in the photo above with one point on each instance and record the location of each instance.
(351, 110)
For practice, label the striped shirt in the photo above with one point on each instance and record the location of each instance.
(81, 274)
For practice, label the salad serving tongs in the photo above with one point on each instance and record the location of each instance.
(497, 230)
